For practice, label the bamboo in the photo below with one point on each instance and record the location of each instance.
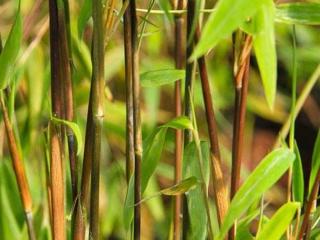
(136, 121)
(219, 185)
(241, 87)
(97, 85)
(179, 22)
(310, 204)
(129, 95)
(18, 170)
(56, 165)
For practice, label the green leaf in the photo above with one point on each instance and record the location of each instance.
(179, 123)
(299, 13)
(267, 173)
(265, 50)
(196, 205)
(229, 16)
(10, 51)
(84, 16)
(151, 156)
(279, 222)
(184, 186)
(76, 130)
(315, 162)
(297, 177)
(166, 7)
(128, 204)
(161, 77)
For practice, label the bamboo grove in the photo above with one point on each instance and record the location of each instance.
(147, 114)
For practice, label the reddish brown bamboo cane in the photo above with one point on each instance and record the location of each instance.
(220, 188)
(129, 94)
(18, 170)
(309, 206)
(179, 23)
(241, 87)
(56, 165)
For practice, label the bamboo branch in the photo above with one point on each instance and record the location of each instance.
(309, 206)
(56, 166)
(220, 189)
(129, 94)
(179, 22)
(136, 121)
(241, 87)
(97, 85)
(18, 170)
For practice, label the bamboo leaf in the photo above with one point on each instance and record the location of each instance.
(315, 162)
(151, 156)
(184, 186)
(271, 168)
(10, 51)
(179, 123)
(297, 177)
(84, 16)
(161, 77)
(265, 50)
(299, 13)
(279, 223)
(76, 130)
(229, 16)
(196, 205)
(166, 7)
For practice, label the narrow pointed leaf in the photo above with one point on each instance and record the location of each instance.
(182, 187)
(229, 16)
(76, 130)
(84, 16)
(161, 77)
(279, 222)
(299, 13)
(196, 205)
(267, 173)
(265, 51)
(10, 51)
(297, 177)
(315, 162)
(179, 123)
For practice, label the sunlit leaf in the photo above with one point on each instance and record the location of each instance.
(297, 177)
(161, 77)
(265, 51)
(10, 51)
(268, 172)
(279, 222)
(179, 123)
(184, 186)
(196, 205)
(84, 16)
(229, 16)
(75, 129)
(299, 13)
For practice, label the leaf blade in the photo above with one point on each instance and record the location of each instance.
(161, 77)
(271, 168)
(279, 222)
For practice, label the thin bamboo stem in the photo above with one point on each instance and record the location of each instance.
(220, 188)
(97, 85)
(179, 22)
(309, 206)
(56, 165)
(241, 88)
(18, 170)
(136, 121)
(129, 95)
